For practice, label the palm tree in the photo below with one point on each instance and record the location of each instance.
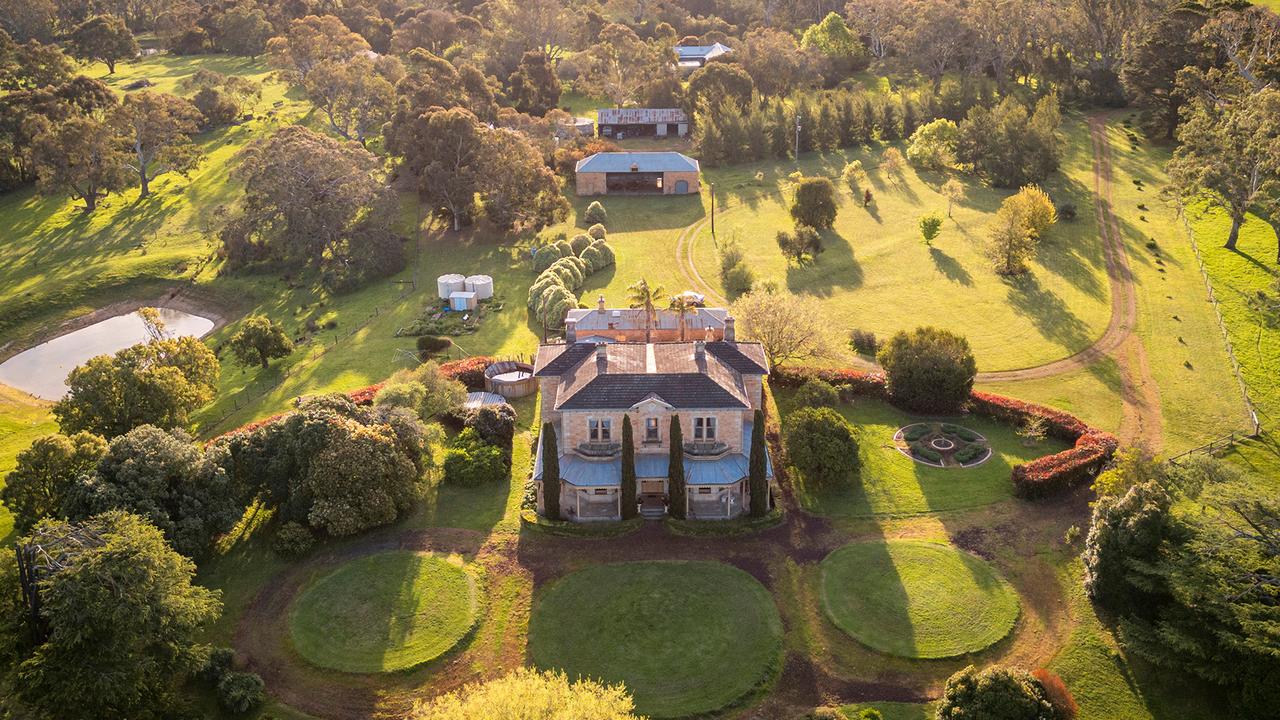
(640, 295)
(681, 306)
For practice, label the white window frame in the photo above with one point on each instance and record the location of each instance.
(599, 429)
(652, 430)
(704, 428)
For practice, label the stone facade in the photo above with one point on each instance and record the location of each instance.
(587, 184)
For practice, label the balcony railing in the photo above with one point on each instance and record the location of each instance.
(703, 448)
(599, 449)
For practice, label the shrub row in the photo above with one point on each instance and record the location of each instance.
(926, 453)
(969, 453)
(915, 432)
(1044, 476)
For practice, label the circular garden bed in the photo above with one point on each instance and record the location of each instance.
(684, 637)
(942, 444)
(385, 612)
(916, 599)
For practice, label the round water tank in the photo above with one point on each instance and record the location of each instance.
(481, 285)
(446, 285)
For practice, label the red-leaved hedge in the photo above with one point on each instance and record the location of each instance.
(468, 371)
(1044, 476)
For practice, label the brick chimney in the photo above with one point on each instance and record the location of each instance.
(730, 333)
(600, 304)
(571, 330)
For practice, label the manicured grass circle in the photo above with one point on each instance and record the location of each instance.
(916, 599)
(684, 637)
(385, 612)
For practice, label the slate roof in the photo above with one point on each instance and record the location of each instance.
(684, 390)
(555, 360)
(696, 322)
(750, 362)
(624, 162)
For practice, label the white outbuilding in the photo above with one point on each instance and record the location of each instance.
(447, 285)
(481, 285)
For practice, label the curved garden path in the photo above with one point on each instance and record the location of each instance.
(1141, 418)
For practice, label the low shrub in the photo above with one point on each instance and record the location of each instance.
(817, 393)
(240, 692)
(1067, 211)
(1052, 474)
(925, 452)
(580, 242)
(822, 444)
(218, 664)
(468, 371)
(429, 345)
(967, 435)
(293, 540)
(738, 280)
(596, 232)
(1055, 689)
(950, 429)
(915, 432)
(471, 462)
(969, 453)
(864, 342)
(544, 257)
(496, 426)
(595, 213)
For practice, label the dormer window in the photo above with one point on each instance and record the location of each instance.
(599, 429)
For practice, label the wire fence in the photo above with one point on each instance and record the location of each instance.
(1222, 327)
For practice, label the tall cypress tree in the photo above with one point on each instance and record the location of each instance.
(756, 469)
(628, 470)
(550, 473)
(675, 470)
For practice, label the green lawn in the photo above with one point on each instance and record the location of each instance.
(684, 637)
(875, 273)
(892, 710)
(386, 612)
(917, 599)
(1091, 394)
(894, 484)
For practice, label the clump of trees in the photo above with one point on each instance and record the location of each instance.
(156, 383)
(805, 242)
(314, 202)
(98, 610)
(562, 268)
(1009, 145)
(1195, 592)
(928, 370)
(822, 445)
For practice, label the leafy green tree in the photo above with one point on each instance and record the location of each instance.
(1125, 536)
(158, 128)
(157, 383)
(717, 83)
(833, 39)
(82, 157)
(46, 473)
(310, 41)
(550, 473)
(105, 39)
(822, 445)
(815, 203)
(163, 477)
(245, 30)
(123, 620)
(620, 64)
(1160, 50)
(531, 695)
(930, 226)
(1009, 145)
(260, 339)
(1228, 154)
(32, 64)
(353, 95)
(628, 470)
(423, 390)
(677, 490)
(360, 479)
(1009, 242)
(995, 693)
(933, 145)
(535, 89)
(757, 471)
(471, 462)
(496, 426)
(928, 370)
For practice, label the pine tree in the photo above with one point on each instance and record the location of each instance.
(675, 471)
(628, 470)
(757, 478)
(550, 473)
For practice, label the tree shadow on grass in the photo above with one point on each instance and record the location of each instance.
(835, 267)
(1047, 312)
(950, 268)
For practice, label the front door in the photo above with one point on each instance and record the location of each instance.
(653, 487)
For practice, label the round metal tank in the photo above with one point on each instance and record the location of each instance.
(481, 285)
(446, 285)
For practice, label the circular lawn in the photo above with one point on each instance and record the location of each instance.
(916, 599)
(385, 612)
(684, 637)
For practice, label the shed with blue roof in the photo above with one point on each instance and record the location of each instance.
(637, 173)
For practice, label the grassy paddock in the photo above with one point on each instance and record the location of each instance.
(876, 273)
(892, 484)
(684, 637)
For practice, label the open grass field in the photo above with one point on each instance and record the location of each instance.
(685, 637)
(877, 274)
(891, 710)
(917, 599)
(384, 613)
(891, 483)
